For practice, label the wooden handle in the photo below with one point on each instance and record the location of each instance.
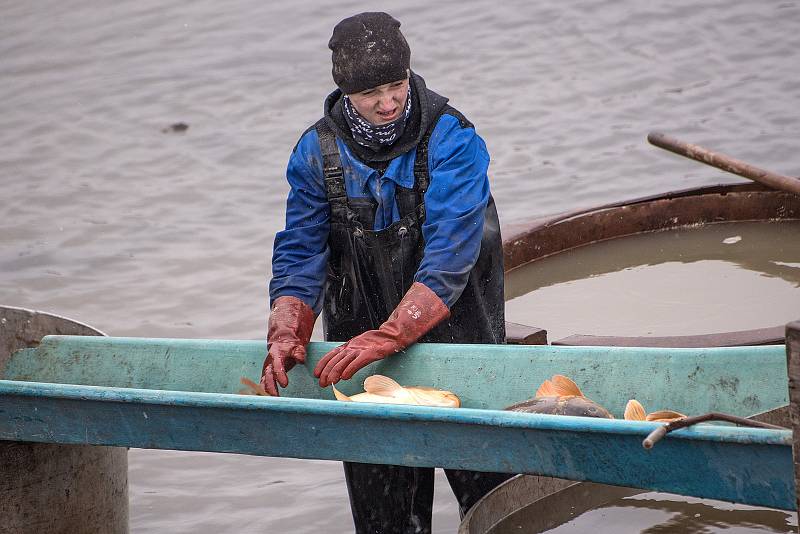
(726, 163)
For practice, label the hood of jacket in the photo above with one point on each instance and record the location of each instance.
(426, 106)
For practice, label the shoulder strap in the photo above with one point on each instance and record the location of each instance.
(422, 177)
(449, 110)
(331, 164)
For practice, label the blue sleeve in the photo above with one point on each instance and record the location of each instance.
(455, 204)
(300, 252)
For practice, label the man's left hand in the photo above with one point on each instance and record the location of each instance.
(419, 311)
(345, 360)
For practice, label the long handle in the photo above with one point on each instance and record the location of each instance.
(726, 163)
(656, 435)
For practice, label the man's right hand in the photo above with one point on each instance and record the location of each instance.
(290, 324)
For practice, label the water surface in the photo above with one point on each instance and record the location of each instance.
(688, 281)
(663, 513)
(106, 219)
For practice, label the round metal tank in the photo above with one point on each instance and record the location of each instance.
(537, 504)
(545, 236)
(58, 489)
(584, 506)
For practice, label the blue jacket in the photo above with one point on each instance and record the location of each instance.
(455, 204)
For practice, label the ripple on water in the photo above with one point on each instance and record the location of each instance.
(563, 93)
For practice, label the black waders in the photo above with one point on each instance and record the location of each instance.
(368, 273)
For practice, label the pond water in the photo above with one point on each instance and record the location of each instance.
(624, 512)
(109, 217)
(693, 280)
(663, 513)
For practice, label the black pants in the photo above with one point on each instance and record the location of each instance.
(392, 499)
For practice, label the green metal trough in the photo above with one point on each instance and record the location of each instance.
(182, 394)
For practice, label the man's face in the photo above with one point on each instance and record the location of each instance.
(382, 104)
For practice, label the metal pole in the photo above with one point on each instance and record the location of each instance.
(726, 163)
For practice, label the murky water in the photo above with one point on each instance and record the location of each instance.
(662, 513)
(695, 280)
(107, 219)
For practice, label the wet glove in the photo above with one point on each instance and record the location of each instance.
(419, 311)
(290, 324)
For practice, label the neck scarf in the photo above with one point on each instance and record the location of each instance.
(371, 136)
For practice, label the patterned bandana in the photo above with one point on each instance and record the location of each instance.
(375, 137)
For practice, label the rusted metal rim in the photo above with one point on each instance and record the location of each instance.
(545, 236)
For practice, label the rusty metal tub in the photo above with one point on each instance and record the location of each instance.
(545, 236)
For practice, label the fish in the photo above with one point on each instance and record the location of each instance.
(252, 388)
(634, 411)
(382, 389)
(561, 396)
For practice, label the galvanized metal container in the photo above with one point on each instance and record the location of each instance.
(69, 489)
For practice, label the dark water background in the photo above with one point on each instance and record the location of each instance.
(106, 219)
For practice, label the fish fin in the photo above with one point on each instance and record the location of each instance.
(547, 389)
(566, 387)
(251, 388)
(634, 411)
(664, 416)
(381, 385)
(339, 395)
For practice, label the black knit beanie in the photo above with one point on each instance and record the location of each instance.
(368, 51)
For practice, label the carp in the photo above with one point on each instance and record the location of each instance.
(561, 396)
(382, 389)
(252, 388)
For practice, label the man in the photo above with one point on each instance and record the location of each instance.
(392, 233)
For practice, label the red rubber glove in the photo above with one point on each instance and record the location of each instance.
(290, 324)
(419, 311)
